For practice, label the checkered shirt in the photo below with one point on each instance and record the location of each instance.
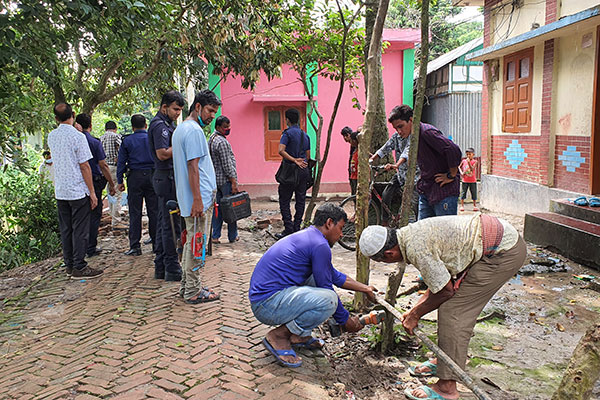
(111, 141)
(222, 158)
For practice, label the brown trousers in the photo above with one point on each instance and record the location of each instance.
(457, 316)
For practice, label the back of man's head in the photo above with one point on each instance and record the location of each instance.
(403, 112)
(327, 211)
(85, 120)
(138, 121)
(346, 131)
(204, 98)
(172, 96)
(63, 111)
(292, 115)
(221, 120)
(110, 126)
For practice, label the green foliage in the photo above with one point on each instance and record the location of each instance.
(28, 217)
(123, 51)
(445, 35)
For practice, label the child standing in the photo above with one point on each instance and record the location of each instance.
(469, 180)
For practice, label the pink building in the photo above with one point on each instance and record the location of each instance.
(257, 116)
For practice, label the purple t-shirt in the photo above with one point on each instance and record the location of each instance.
(97, 153)
(291, 261)
(436, 155)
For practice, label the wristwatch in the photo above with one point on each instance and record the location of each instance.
(450, 176)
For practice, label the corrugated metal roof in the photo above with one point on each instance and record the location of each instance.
(450, 56)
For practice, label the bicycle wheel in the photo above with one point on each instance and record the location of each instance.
(348, 239)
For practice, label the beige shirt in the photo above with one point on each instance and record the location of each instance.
(442, 247)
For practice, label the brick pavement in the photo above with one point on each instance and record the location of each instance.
(129, 336)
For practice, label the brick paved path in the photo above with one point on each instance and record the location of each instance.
(129, 336)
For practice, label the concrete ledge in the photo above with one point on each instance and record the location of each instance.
(517, 197)
(584, 213)
(573, 238)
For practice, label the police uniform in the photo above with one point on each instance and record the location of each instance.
(135, 160)
(166, 263)
(99, 184)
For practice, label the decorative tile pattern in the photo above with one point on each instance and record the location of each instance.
(515, 154)
(571, 158)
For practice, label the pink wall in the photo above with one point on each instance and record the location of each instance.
(245, 110)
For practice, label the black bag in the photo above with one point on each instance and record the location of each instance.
(235, 207)
(287, 174)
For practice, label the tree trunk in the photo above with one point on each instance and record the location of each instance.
(364, 171)
(407, 195)
(380, 132)
(387, 333)
(583, 370)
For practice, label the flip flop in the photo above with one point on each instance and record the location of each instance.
(581, 201)
(432, 370)
(311, 344)
(204, 297)
(278, 353)
(594, 202)
(431, 394)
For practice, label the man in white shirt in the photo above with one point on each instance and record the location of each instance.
(464, 260)
(74, 191)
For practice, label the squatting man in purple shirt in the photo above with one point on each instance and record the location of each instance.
(292, 287)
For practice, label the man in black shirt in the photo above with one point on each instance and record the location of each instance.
(166, 264)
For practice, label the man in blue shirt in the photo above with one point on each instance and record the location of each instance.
(166, 263)
(100, 175)
(135, 160)
(294, 147)
(196, 187)
(292, 286)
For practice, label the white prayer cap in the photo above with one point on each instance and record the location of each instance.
(372, 240)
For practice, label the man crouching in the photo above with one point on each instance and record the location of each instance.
(292, 286)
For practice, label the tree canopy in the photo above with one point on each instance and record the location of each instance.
(445, 35)
(124, 51)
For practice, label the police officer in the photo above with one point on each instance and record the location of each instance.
(166, 264)
(100, 176)
(135, 157)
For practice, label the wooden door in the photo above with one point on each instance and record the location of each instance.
(274, 126)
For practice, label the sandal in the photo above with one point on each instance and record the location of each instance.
(594, 202)
(216, 241)
(278, 353)
(427, 364)
(581, 201)
(429, 392)
(311, 344)
(204, 297)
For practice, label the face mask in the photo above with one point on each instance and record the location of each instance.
(227, 132)
(202, 124)
(48, 161)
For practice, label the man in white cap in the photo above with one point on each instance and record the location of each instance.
(464, 261)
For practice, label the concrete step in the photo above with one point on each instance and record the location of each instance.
(573, 238)
(564, 207)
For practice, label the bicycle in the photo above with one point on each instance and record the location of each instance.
(376, 208)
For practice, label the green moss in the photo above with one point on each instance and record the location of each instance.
(547, 373)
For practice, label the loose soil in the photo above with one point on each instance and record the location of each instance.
(529, 331)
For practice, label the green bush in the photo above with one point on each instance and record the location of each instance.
(28, 217)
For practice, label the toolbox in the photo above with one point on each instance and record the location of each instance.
(235, 207)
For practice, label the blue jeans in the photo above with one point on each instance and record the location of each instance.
(300, 308)
(217, 221)
(447, 206)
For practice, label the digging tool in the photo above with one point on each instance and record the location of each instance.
(466, 379)
(372, 318)
(199, 249)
